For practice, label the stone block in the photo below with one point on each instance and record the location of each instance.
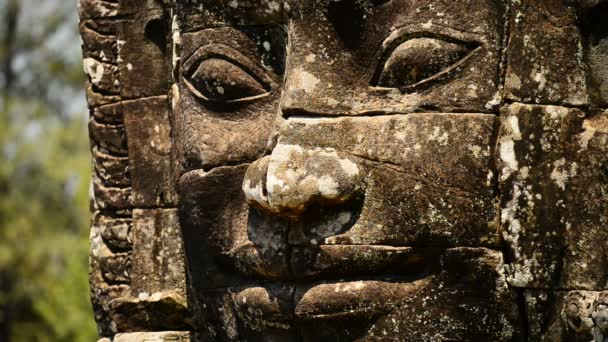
(144, 53)
(158, 257)
(536, 162)
(148, 132)
(541, 31)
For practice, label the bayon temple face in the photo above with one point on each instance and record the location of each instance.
(349, 170)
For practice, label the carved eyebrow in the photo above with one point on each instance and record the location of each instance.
(404, 33)
(254, 12)
(432, 30)
(365, 3)
(229, 54)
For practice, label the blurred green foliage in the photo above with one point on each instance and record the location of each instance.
(44, 175)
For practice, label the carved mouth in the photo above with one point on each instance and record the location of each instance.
(339, 261)
(254, 263)
(328, 282)
(350, 299)
(292, 303)
(295, 251)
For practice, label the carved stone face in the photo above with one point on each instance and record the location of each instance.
(372, 211)
(349, 170)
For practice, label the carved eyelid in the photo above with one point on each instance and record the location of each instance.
(231, 55)
(400, 35)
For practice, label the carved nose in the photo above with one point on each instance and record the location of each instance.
(292, 178)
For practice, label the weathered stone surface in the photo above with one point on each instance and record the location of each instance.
(220, 227)
(110, 197)
(138, 8)
(554, 196)
(208, 133)
(193, 17)
(403, 170)
(333, 62)
(97, 8)
(327, 260)
(111, 138)
(163, 336)
(116, 232)
(145, 253)
(112, 263)
(585, 258)
(536, 163)
(96, 99)
(111, 113)
(149, 139)
(387, 187)
(589, 3)
(158, 257)
(224, 315)
(166, 310)
(101, 297)
(541, 31)
(102, 276)
(442, 305)
(596, 54)
(115, 267)
(112, 170)
(144, 52)
(566, 316)
(99, 40)
(411, 143)
(103, 76)
(431, 314)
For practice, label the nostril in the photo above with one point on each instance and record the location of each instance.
(326, 223)
(254, 183)
(575, 322)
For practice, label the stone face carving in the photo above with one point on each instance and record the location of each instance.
(348, 170)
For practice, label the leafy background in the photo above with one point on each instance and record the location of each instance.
(44, 175)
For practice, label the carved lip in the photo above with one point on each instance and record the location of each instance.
(352, 298)
(368, 278)
(339, 261)
(302, 263)
(329, 282)
(292, 303)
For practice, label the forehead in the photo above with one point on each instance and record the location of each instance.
(471, 16)
(200, 14)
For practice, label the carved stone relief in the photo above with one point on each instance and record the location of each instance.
(348, 170)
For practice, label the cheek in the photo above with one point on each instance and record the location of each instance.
(206, 136)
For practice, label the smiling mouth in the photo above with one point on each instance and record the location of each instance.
(339, 282)
(293, 303)
(306, 280)
(300, 252)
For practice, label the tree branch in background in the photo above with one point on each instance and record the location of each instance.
(11, 16)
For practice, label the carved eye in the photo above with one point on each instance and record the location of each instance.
(421, 60)
(219, 74)
(218, 80)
